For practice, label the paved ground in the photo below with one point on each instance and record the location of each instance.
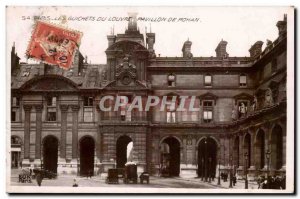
(155, 182)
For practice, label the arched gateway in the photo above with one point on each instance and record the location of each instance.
(87, 149)
(170, 157)
(50, 153)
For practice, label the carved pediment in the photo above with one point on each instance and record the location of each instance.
(243, 96)
(208, 96)
(49, 83)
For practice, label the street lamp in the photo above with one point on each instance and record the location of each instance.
(219, 177)
(202, 169)
(268, 153)
(230, 172)
(209, 170)
(246, 169)
(205, 161)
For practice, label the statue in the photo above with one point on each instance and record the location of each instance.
(268, 98)
(104, 75)
(254, 104)
(233, 114)
(242, 110)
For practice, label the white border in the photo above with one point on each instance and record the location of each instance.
(5, 81)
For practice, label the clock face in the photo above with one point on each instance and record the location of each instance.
(126, 80)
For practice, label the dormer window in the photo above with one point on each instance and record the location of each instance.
(207, 80)
(243, 80)
(51, 109)
(207, 111)
(171, 80)
(88, 101)
(51, 101)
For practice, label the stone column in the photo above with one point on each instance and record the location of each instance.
(75, 109)
(38, 134)
(64, 114)
(27, 109)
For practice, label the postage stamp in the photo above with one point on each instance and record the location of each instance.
(53, 44)
(156, 100)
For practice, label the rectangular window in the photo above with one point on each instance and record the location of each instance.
(15, 101)
(207, 116)
(207, 111)
(13, 116)
(88, 101)
(243, 80)
(171, 117)
(207, 80)
(51, 116)
(242, 108)
(51, 101)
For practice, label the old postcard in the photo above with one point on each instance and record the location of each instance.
(150, 99)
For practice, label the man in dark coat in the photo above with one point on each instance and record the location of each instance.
(39, 179)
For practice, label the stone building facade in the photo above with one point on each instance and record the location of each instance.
(56, 122)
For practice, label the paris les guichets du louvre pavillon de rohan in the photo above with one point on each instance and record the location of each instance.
(128, 99)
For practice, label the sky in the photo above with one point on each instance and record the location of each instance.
(239, 26)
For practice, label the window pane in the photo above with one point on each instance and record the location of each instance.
(243, 79)
(205, 115)
(209, 115)
(207, 79)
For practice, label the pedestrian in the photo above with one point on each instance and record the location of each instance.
(75, 183)
(39, 179)
(234, 180)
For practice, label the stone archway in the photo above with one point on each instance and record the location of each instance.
(276, 148)
(170, 157)
(50, 153)
(247, 149)
(87, 151)
(16, 148)
(260, 149)
(236, 152)
(123, 152)
(207, 158)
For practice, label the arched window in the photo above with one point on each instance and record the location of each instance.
(243, 80)
(207, 80)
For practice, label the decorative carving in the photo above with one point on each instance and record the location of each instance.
(233, 113)
(126, 71)
(268, 98)
(75, 108)
(27, 108)
(64, 107)
(38, 107)
(254, 104)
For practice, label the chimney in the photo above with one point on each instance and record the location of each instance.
(186, 49)
(132, 24)
(15, 60)
(255, 49)
(221, 49)
(281, 25)
(111, 39)
(150, 39)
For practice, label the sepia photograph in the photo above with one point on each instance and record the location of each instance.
(150, 99)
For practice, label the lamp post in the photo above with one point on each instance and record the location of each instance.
(209, 170)
(219, 177)
(230, 172)
(202, 169)
(268, 153)
(246, 169)
(205, 161)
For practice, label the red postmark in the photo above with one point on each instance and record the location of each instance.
(53, 45)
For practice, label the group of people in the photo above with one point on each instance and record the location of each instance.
(224, 177)
(271, 182)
